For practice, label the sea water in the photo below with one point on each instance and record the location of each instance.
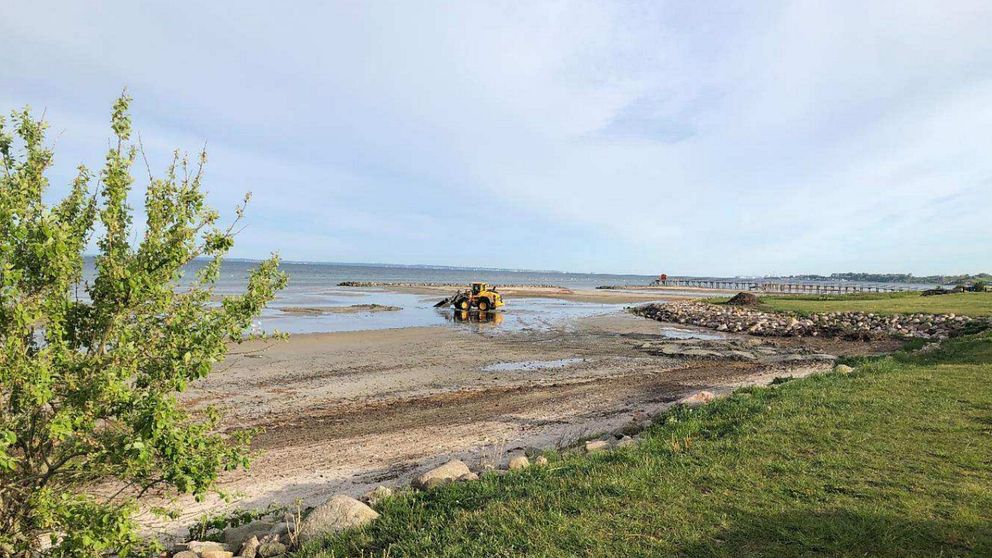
(315, 286)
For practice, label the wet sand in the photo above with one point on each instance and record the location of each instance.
(353, 309)
(343, 412)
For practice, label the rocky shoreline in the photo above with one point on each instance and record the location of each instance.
(276, 533)
(847, 325)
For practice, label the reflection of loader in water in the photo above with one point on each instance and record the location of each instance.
(494, 318)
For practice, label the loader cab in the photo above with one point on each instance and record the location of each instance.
(478, 288)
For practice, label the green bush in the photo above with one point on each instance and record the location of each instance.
(89, 371)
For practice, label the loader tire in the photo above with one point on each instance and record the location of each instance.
(484, 305)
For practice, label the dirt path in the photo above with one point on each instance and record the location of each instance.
(343, 412)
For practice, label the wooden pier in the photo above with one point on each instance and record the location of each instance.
(783, 287)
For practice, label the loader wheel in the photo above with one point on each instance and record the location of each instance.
(483, 305)
(462, 304)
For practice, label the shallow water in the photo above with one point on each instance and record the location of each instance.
(524, 314)
(314, 285)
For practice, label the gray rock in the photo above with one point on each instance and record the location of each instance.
(250, 548)
(234, 537)
(337, 514)
(270, 549)
(448, 472)
(377, 495)
(283, 538)
(200, 547)
(185, 554)
(468, 477)
(282, 528)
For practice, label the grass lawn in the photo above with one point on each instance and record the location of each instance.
(892, 460)
(965, 304)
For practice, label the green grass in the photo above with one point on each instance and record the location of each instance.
(965, 304)
(893, 460)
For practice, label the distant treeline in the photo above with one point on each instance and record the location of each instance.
(899, 278)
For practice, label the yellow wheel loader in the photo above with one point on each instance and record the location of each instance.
(479, 295)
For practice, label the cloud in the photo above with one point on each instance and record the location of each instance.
(593, 136)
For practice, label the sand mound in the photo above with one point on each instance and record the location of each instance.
(744, 299)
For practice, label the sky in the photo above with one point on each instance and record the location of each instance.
(688, 138)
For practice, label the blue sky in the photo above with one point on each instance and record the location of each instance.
(647, 137)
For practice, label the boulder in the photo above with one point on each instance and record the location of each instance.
(200, 547)
(283, 527)
(519, 462)
(185, 554)
(448, 472)
(284, 539)
(234, 537)
(595, 446)
(216, 554)
(697, 399)
(541, 461)
(468, 477)
(843, 369)
(337, 514)
(250, 548)
(377, 495)
(271, 549)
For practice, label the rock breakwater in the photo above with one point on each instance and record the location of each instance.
(847, 325)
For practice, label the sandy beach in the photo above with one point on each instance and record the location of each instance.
(343, 412)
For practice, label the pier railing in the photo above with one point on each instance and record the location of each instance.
(786, 287)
